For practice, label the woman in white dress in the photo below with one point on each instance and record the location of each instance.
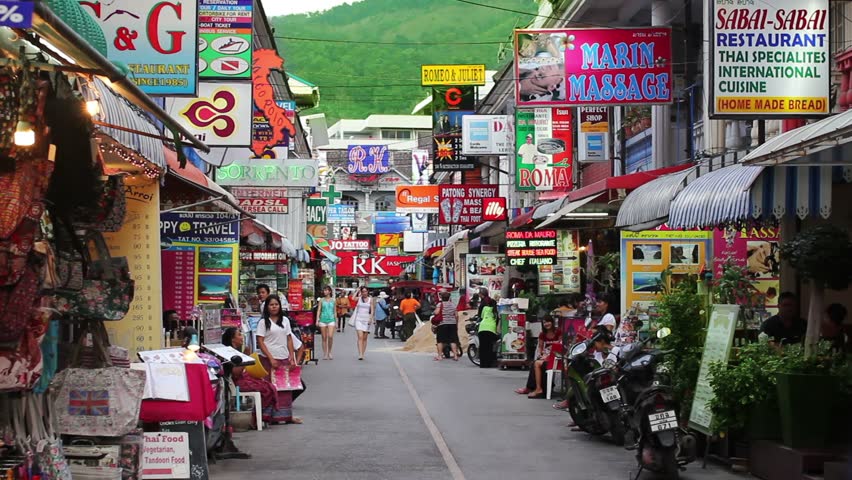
(362, 317)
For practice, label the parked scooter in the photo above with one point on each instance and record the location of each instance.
(588, 414)
(471, 328)
(650, 412)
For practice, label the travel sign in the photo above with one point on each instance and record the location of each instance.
(535, 247)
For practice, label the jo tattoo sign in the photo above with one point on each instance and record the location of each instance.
(156, 39)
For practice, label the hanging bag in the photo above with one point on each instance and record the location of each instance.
(45, 444)
(16, 304)
(110, 208)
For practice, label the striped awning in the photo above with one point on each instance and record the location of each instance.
(648, 205)
(435, 247)
(716, 198)
(826, 142)
(805, 191)
(120, 120)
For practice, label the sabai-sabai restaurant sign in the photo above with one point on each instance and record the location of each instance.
(770, 58)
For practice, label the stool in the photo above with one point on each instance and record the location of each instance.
(258, 416)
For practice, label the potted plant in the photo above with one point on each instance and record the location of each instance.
(644, 114)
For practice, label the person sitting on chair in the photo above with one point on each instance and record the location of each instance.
(549, 343)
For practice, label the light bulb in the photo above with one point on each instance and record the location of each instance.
(93, 107)
(193, 344)
(24, 134)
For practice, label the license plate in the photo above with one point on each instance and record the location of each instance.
(397, 324)
(662, 421)
(610, 394)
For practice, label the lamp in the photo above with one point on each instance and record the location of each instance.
(193, 343)
(24, 134)
(93, 107)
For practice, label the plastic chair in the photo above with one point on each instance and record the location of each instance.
(557, 369)
(258, 416)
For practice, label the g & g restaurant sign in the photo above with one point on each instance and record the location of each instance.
(266, 173)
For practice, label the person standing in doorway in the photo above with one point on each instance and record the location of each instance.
(363, 316)
(487, 330)
(326, 318)
(382, 315)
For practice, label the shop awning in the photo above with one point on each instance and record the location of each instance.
(624, 182)
(490, 229)
(312, 242)
(648, 205)
(803, 191)
(255, 231)
(826, 142)
(451, 243)
(549, 208)
(551, 195)
(567, 210)
(523, 219)
(716, 198)
(436, 247)
(191, 175)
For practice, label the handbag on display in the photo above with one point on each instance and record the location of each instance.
(22, 366)
(21, 189)
(16, 304)
(15, 251)
(110, 210)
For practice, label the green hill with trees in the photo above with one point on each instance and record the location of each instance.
(357, 79)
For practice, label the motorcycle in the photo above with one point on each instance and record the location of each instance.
(471, 328)
(587, 413)
(650, 412)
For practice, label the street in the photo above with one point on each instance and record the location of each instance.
(403, 415)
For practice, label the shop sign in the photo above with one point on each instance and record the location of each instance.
(421, 168)
(391, 222)
(417, 198)
(16, 14)
(353, 265)
(368, 159)
(770, 59)
(262, 256)
(453, 99)
(264, 205)
(544, 142)
(462, 204)
(293, 172)
(356, 245)
(595, 66)
(431, 75)
(156, 39)
(200, 227)
(273, 122)
(494, 209)
(420, 222)
(259, 192)
(316, 217)
(224, 45)
(531, 247)
(384, 240)
(341, 213)
(757, 250)
(220, 116)
(593, 134)
(486, 135)
(165, 455)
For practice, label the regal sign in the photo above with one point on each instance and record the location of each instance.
(352, 265)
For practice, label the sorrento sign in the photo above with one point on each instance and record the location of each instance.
(269, 173)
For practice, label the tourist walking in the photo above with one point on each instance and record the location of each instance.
(362, 318)
(276, 352)
(382, 315)
(326, 318)
(448, 328)
(342, 310)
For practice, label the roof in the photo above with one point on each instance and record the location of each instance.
(624, 182)
(716, 198)
(820, 143)
(650, 202)
(300, 80)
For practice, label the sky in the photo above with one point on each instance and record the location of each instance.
(285, 7)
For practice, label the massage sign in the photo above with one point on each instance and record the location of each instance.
(534, 248)
(463, 204)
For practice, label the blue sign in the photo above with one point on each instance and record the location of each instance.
(16, 14)
(368, 159)
(391, 222)
(340, 213)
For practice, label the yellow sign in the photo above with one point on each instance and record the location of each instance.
(452, 75)
(385, 240)
(139, 241)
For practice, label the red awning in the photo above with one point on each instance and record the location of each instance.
(624, 182)
(551, 195)
(523, 219)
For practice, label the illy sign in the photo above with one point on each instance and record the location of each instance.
(494, 209)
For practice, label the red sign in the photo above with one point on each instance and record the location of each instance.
(265, 62)
(494, 209)
(353, 265)
(463, 204)
(264, 205)
(295, 296)
(358, 245)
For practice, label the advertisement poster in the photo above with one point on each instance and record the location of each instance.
(368, 159)
(756, 248)
(421, 167)
(434, 75)
(294, 172)
(463, 205)
(295, 294)
(139, 241)
(417, 198)
(214, 238)
(220, 116)
(593, 134)
(514, 339)
(486, 271)
(717, 348)
(544, 149)
(262, 199)
(486, 135)
(317, 217)
(770, 59)
(531, 247)
(594, 66)
(645, 255)
(156, 40)
(224, 39)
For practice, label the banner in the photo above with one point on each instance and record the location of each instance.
(224, 43)
(486, 135)
(544, 141)
(531, 247)
(595, 66)
(463, 204)
(220, 116)
(770, 59)
(294, 172)
(368, 159)
(417, 198)
(421, 167)
(369, 264)
(139, 241)
(317, 217)
(593, 134)
(157, 41)
(212, 241)
(432, 75)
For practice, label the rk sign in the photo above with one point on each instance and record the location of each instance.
(353, 265)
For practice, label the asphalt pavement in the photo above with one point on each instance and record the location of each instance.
(399, 415)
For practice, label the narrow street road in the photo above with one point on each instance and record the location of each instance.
(399, 415)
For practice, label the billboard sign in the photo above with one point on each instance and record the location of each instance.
(593, 134)
(353, 265)
(224, 39)
(463, 204)
(594, 66)
(544, 139)
(157, 41)
(417, 198)
(531, 247)
(368, 159)
(220, 116)
(432, 75)
(770, 59)
(486, 135)
(259, 172)
(356, 245)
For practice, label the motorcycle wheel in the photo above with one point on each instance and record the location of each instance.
(668, 462)
(616, 430)
(473, 354)
(583, 423)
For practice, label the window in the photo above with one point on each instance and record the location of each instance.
(838, 27)
(382, 205)
(396, 134)
(351, 201)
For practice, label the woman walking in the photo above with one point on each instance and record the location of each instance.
(325, 321)
(362, 317)
(448, 329)
(342, 310)
(276, 352)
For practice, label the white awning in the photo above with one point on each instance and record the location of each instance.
(822, 143)
(567, 209)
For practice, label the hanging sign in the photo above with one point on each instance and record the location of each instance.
(264, 205)
(357, 245)
(463, 204)
(417, 198)
(431, 75)
(494, 210)
(273, 125)
(368, 159)
(269, 173)
(157, 41)
(594, 66)
(221, 115)
(545, 149)
(224, 39)
(317, 217)
(593, 134)
(531, 247)
(16, 14)
(770, 59)
(486, 135)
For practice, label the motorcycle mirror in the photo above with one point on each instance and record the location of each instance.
(664, 332)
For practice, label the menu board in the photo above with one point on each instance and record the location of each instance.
(514, 339)
(717, 348)
(139, 241)
(564, 275)
(179, 278)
